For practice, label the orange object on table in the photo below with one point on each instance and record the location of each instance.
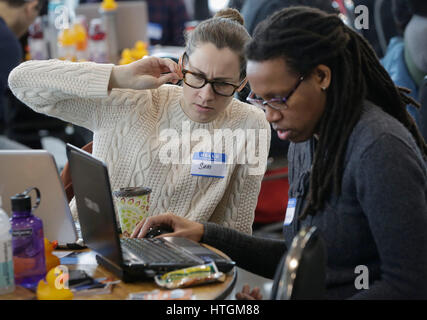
(51, 260)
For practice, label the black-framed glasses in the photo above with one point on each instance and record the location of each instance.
(197, 81)
(280, 103)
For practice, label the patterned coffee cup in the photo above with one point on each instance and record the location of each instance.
(132, 205)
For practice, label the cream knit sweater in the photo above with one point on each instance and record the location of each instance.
(127, 126)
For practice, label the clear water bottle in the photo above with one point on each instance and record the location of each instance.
(27, 241)
(108, 12)
(81, 34)
(66, 45)
(98, 50)
(36, 41)
(7, 282)
(55, 23)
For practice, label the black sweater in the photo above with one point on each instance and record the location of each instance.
(379, 220)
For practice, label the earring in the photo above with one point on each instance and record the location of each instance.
(323, 88)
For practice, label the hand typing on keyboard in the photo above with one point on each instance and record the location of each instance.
(180, 227)
(157, 251)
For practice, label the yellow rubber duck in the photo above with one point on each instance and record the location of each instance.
(51, 260)
(54, 289)
(109, 5)
(139, 50)
(126, 57)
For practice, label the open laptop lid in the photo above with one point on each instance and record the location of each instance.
(94, 202)
(21, 169)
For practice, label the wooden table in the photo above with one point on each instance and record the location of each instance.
(122, 290)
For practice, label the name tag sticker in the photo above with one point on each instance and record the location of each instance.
(208, 164)
(290, 211)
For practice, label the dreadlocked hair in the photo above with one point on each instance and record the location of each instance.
(307, 37)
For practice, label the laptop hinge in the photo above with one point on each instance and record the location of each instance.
(127, 274)
(110, 266)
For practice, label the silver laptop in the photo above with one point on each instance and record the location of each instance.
(21, 169)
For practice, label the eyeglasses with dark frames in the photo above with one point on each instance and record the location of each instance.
(197, 81)
(278, 104)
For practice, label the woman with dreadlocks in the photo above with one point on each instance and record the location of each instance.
(357, 166)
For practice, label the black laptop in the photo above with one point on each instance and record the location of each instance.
(129, 259)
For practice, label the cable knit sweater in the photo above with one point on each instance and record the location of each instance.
(127, 126)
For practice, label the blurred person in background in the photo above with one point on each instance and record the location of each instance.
(236, 4)
(167, 18)
(15, 18)
(381, 24)
(406, 56)
(254, 11)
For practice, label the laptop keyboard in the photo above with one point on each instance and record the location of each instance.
(156, 251)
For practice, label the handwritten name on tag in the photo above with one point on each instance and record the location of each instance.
(208, 164)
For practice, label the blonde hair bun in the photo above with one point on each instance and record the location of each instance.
(230, 13)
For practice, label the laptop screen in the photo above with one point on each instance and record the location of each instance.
(21, 169)
(94, 202)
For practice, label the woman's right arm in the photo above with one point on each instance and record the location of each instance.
(66, 90)
(74, 92)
